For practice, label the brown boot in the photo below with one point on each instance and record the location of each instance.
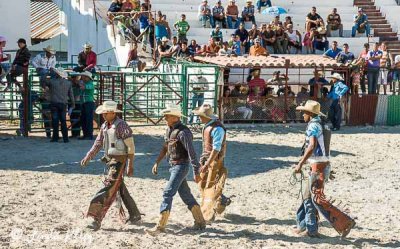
(160, 227)
(199, 222)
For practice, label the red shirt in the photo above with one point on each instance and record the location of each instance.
(256, 82)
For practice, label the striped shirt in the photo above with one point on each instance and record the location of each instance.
(248, 10)
(60, 91)
(122, 131)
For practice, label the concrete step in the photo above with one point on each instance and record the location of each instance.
(377, 21)
(382, 26)
(388, 38)
(367, 7)
(380, 30)
(375, 13)
(382, 33)
(363, 2)
(376, 18)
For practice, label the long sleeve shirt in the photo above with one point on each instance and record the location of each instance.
(186, 138)
(87, 60)
(42, 61)
(22, 57)
(122, 131)
(338, 90)
(60, 91)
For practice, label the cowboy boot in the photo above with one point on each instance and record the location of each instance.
(160, 227)
(199, 222)
(95, 225)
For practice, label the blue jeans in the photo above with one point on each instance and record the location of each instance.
(263, 4)
(335, 113)
(306, 217)
(373, 77)
(197, 101)
(87, 110)
(177, 183)
(43, 73)
(230, 21)
(204, 19)
(355, 28)
(59, 115)
(319, 45)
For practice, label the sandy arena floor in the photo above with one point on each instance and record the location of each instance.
(44, 193)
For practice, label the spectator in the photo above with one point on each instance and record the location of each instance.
(75, 116)
(396, 75)
(277, 79)
(161, 28)
(243, 35)
(232, 15)
(248, 12)
(294, 39)
(19, 65)
(288, 20)
(385, 66)
(263, 3)
(183, 27)
(345, 56)
(202, 51)
(332, 52)
(34, 98)
(257, 49)
(320, 42)
(334, 23)
(363, 63)
(212, 48)
(256, 85)
(133, 58)
(238, 100)
(225, 50)
(184, 52)
(60, 89)
(115, 7)
(87, 59)
(218, 13)
(87, 106)
(337, 92)
(216, 34)
(205, 14)
(288, 89)
(175, 48)
(43, 63)
(360, 24)
(237, 45)
(198, 85)
(4, 58)
(144, 17)
(302, 96)
(253, 34)
(276, 22)
(319, 81)
(373, 58)
(313, 20)
(269, 39)
(193, 47)
(308, 41)
(147, 4)
(127, 6)
(164, 50)
(281, 40)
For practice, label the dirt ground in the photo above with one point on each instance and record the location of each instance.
(44, 193)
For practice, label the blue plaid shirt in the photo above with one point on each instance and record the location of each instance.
(338, 90)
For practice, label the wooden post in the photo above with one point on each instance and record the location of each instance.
(27, 103)
(287, 63)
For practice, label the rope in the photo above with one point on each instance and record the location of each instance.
(293, 180)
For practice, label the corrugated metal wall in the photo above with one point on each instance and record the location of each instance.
(393, 111)
(363, 109)
(382, 110)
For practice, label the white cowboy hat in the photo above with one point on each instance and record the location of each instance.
(108, 106)
(172, 112)
(336, 76)
(87, 74)
(164, 39)
(205, 111)
(87, 45)
(61, 72)
(311, 106)
(50, 50)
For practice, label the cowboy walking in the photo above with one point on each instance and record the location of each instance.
(116, 138)
(213, 172)
(336, 93)
(316, 152)
(178, 148)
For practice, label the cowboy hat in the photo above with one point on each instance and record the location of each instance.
(87, 74)
(205, 111)
(107, 107)
(172, 112)
(61, 72)
(311, 106)
(249, 1)
(321, 30)
(336, 76)
(50, 50)
(87, 45)
(164, 39)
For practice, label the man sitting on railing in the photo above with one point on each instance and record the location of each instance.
(43, 63)
(115, 6)
(19, 65)
(87, 59)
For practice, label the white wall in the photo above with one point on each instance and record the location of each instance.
(391, 11)
(81, 27)
(15, 22)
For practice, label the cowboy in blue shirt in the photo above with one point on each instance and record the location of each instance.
(338, 90)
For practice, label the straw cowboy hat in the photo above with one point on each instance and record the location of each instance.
(311, 106)
(87, 45)
(107, 107)
(61, 72)
(205, 111)
(164, 39)
(336, 76)
(87, 74)
(50, 50)
(172, 112)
